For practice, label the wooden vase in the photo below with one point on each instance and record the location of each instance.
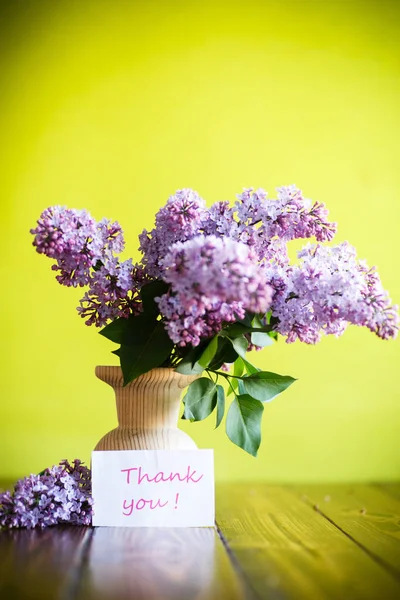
(148, 410)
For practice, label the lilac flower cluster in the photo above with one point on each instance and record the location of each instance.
(85, 254)
(220, 262)
(213, 281)
(113, 292)
(76, 241)
(59, 495)
(328, 290)
(267, 225)
(179, 220)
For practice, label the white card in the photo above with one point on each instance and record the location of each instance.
(153, 488)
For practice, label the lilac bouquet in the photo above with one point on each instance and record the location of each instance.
(212, 284)
(59, 495)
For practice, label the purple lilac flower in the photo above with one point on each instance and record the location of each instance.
(76, 242)
(328, 290)
(213, 280)
(267, 225)
(288, 217)
(61, 494)
(197, 320)
(179, 220)
(113, 292)
(220, 220)
(219, 262)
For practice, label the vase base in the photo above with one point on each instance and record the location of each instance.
(151, 439)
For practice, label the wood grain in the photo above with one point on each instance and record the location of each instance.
(148, 410)
(149, 563)
(41, 564)
(281, 543)
(368, 515)
(287, 550)
(393, 489)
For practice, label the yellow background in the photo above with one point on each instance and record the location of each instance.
(113, 106)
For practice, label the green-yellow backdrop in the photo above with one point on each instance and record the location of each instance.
(112, 106)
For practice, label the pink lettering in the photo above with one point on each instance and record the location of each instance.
(141, 477)
(141, 504)
(128, 473)
(161, 477)
(131, 505)
(190, 476)
(176, 476)
(158, 504)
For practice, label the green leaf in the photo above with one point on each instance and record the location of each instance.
(189, 364)
(209, 353)
(240, 345)
(115, 330)
(233, 384)
(200, 399)
(117, 352)
(248, 317)
(251, 369)
(145, 353)
(265, 386)
(243, 423)
(235, 330)
(238, 368)
(225, 354)
(150, 291)
(137, 328)
(220, 404)
(239, 328)
(260, 338)
(186, 368)
(241, 387)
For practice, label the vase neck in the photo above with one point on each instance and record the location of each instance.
(151, 401)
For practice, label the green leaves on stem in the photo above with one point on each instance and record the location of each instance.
(145, 345)
(265, 386)
(251, 390)
(198, 358)
(146, 353)
(201, 398)
(243, 423)
(220, 404)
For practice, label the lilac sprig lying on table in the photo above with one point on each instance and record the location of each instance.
(212, 284)
(59, 495)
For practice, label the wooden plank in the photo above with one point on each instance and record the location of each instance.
(40, 564)
(150, 563)
(366, 514)
(287, 550)
(393, 489)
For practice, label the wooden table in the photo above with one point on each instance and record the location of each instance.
(292, 542)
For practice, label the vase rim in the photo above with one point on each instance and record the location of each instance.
(113, 374)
